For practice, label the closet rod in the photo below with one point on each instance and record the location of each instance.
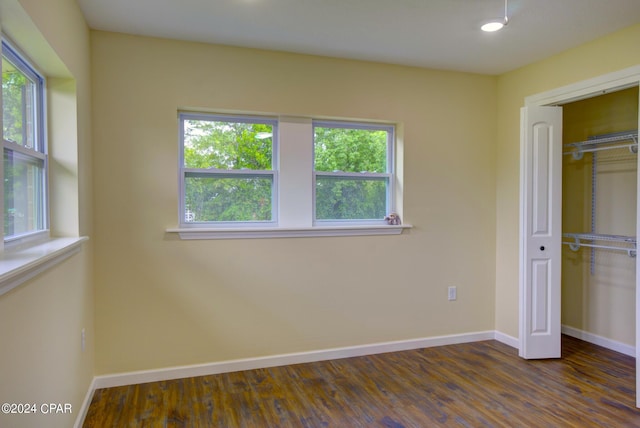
(633, 148)
(611, 140)
(607, 138)
(631, 252)
(580, 237)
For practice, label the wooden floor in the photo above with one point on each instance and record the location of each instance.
(482, 384)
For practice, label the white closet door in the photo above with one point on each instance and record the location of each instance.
(540, 231)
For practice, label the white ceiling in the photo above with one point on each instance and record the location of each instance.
(442, 34)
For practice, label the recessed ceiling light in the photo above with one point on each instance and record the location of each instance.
(496, 25)
(492, 26)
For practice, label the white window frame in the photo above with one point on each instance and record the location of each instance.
(25, 256)
(388, 175)
(294, 186)
(228, 173)
(40, 152)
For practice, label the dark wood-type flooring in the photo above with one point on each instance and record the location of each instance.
(482, 384)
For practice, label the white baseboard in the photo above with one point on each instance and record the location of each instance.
(623, 348)
(613, 345)
(514, 342)
(130, 378)
(82, 413)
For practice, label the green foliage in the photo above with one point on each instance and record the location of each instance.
(248, 146)
(350, 150)
(14, 84)
(229, 199)
(228, 146)
(23, 210)
(354, 199)
(23, 203)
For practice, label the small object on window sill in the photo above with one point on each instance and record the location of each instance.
(393, 219)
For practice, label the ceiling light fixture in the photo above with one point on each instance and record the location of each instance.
(496, 25)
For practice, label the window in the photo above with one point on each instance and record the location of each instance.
(252, 176)
(353, 171)
(25, 155)
(228, 170)
(26, 248)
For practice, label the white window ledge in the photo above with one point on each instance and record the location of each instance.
(18, 265)
(286, 232)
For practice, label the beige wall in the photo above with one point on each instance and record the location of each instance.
(40, 321)
(165, 302)
(605, 55)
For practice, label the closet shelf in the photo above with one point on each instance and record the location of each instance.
(620, 140)
(623, 243)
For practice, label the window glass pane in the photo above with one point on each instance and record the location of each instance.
(340, 198)
(228, 145)
(228, 198)
(350, 150)
(24, 209)
(18, 106)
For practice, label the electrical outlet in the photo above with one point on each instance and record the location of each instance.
(82, 339)
(453, 293)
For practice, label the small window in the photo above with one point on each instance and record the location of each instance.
(228, 170)
(353, 171)
(25, 154)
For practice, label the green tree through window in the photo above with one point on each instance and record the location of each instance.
(352, 171)
(24, 157)
(228, 170)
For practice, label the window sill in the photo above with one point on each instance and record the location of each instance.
(23, 263)
(286, 232)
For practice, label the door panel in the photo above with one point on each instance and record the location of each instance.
(540, 171)
(540, 231)
(540, 296)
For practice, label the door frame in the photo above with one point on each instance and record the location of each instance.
(611, 82)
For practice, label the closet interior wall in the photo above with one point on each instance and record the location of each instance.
(598, 296)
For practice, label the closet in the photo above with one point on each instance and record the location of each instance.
(599, 192)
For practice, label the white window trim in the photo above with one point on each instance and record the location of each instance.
(39, 152)
(214, 172)
(296, 184)
(289, 232)
(25, 256)
(388, 174)
(353, 176)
